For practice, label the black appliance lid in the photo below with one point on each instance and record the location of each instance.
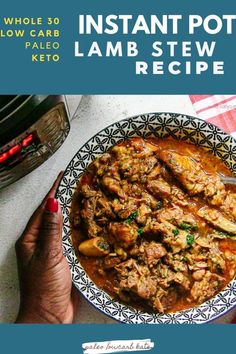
(9, 103)
(5, 99)
(28, 110)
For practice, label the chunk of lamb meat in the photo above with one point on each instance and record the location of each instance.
(197, 257)
(153, 251)
(229, 206)
(191, 175)
(128, 167)
(198, 274)
(138, 249)
(207, 287)
(88, 192)
(155, 172)
(182, 280)
(110, 262)
(215, 218)
(178, 196)
(103, 209)
(136, 278)
(113, 186)
(164, 275)
(176, 216)
(101, 164)
(149, 200)
(136, 169)
(123, 234)
(187, 170)
(143, 213)
(122, 151)
(137, 147)
(214, 191)
(176, 262)
(177, 242)
(216, 262)
(166, 174)
(156, 302)
(205, 242)
(161, 189)
(135, 190)
(87, 214)
(124, 208)
(142, 147)
(164, 301)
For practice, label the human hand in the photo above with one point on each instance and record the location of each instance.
(47, 295)
(233, 321)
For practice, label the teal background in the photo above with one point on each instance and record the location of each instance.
(168, 339)
(110, 75)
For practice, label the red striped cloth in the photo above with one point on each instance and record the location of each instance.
(217, 109)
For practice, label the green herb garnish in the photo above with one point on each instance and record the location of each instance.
(131, 217)
(103, 245)
(175, 232)
(159, 205)
(189, 239)
(185, 226)
(194, 228)
(140, 231)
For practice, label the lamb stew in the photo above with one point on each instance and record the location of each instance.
(154, 226)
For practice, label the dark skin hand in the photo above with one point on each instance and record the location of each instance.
(47, 295)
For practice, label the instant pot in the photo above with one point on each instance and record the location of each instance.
(32, 128)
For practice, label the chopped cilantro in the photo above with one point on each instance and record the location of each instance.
(175, 232)
(140, 231)
(159, 205)
(103, 245)
(194, 227)
(185, 226)
(131, 217)
(189, 239)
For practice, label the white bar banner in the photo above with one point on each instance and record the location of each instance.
(117, 346)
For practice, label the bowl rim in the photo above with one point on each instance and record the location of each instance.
(192, 118)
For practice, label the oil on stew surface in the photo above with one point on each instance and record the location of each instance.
(154, 225)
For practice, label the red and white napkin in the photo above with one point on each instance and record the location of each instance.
(219, 110)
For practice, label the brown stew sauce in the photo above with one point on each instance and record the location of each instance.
(210, 164)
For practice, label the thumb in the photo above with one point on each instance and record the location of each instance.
(50, 235)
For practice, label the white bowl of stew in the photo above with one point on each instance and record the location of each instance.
(149, 228)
